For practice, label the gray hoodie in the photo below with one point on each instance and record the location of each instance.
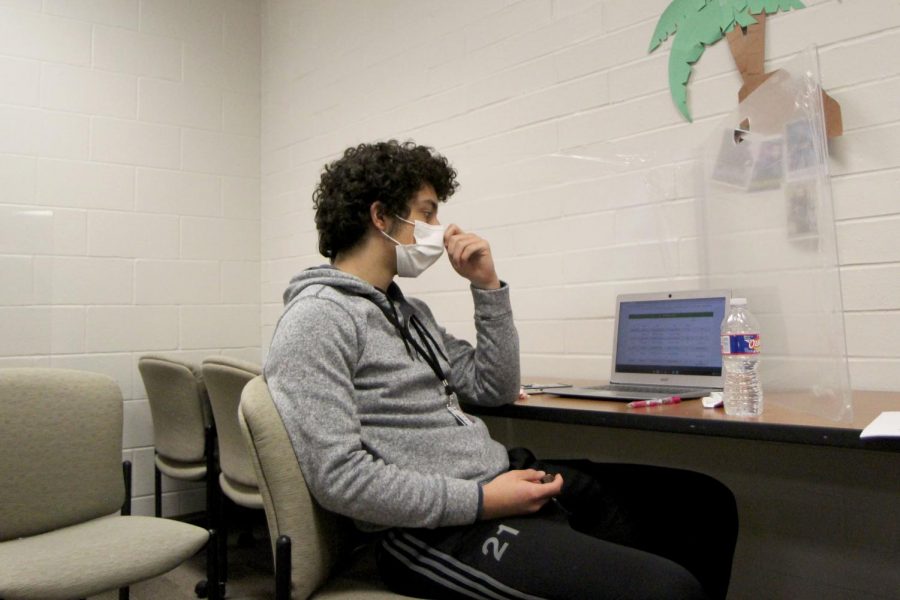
(368, 417)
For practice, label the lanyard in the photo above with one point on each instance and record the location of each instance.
(426, 347)
(430, 358)
(452, 401)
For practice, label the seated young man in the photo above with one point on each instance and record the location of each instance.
(369, 388)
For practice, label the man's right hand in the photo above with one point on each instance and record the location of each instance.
(518, 492)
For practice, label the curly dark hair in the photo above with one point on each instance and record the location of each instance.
(390, 172)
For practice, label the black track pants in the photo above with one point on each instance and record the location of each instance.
(618, 531)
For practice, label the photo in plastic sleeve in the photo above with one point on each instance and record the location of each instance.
(768, 164)
(802, 215)
(800, 151)
(734, 161)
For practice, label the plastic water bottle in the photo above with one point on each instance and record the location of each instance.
(740, 361)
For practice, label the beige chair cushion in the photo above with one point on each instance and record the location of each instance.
(95, 556)
(225, 378)
(60, 449)
(239, 493)
(320, 539)
(179, 470)
(178, 406)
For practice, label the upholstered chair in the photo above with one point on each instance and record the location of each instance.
(317, 553)
(65, 524)
(225, 378)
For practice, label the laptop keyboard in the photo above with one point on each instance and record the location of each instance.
(651, 389)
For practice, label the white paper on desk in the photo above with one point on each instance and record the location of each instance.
(887, 424)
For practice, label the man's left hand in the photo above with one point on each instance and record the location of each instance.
(471, 257)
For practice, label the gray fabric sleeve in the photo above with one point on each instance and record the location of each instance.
(310, 373)
(489, 373)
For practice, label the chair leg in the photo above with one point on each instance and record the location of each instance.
(215, 515)
(126, 475)
(223, 538)
(212, 478)
(205, 589)
(283, 568)
(157, 490)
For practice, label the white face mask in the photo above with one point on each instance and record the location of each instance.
(413, 259)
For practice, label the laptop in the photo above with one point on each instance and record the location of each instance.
(666, 344)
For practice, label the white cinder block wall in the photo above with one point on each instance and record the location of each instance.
(510, 91)
(130, 156)
(129, 205)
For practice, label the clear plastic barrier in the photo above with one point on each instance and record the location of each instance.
(768, 230)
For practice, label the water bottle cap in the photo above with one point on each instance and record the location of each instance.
(739, 302)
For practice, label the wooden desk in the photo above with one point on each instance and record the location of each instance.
(819, 508)
(778, 423)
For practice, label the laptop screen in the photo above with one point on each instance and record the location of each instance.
(670, 336)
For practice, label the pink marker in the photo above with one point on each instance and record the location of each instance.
(654, 402)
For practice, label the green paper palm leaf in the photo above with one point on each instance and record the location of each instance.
(672, 18)
(700, 23)
(772, 6)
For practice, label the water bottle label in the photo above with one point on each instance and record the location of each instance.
(740, 343)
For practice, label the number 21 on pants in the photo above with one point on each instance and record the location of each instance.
(495, 546)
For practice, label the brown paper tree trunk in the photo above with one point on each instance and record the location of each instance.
(748, 47)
